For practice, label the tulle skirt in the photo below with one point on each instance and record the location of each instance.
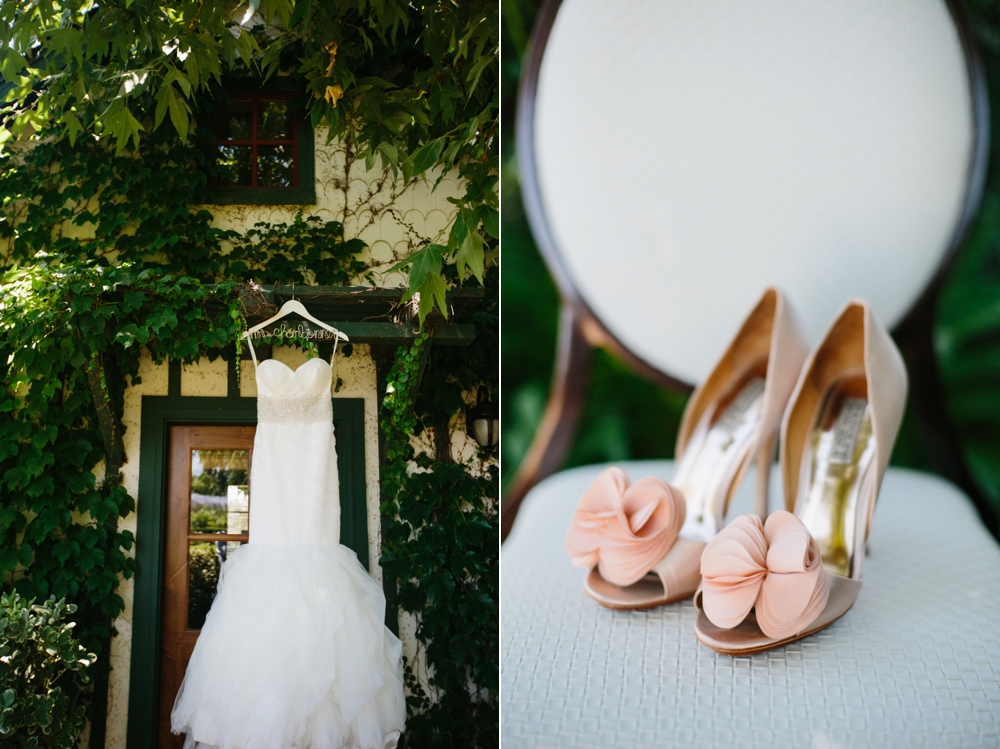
(293, 655)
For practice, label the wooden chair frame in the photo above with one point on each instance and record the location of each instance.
(580, 330)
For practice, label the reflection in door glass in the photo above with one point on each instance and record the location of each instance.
(220, 504)
(205, 560)
(220, 500)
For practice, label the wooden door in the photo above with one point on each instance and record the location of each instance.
(207, 516)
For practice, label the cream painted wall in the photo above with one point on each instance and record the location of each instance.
(154, 382)
(392, 218)
(357, 373)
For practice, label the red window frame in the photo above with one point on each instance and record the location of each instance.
(254, 142)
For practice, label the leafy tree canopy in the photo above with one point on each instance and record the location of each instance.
(413, 85)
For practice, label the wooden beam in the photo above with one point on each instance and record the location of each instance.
(393, 333)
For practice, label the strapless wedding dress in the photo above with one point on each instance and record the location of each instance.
(294, 653)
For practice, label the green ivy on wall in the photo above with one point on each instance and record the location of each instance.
(106, 255)
(86, 201)
(412, 86)
(71, 336)
(440, 538)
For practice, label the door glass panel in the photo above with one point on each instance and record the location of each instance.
(220, 499)
(205, 560)
(219, 505)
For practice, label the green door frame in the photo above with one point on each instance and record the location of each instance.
(159, 413)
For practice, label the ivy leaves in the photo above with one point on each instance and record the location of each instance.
(145, 216)
(425, 279)
(466, 246)
(57, 523)
(440, 540)
(412, 85)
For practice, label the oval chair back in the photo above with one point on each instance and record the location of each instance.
(678, 157)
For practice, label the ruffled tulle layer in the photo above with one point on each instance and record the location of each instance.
(293, 655)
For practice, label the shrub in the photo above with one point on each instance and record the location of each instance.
(203, 571)
(206, 519)
(40, 702)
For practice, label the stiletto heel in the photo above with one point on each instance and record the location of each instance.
(764, 461)
(643, 541)
(766, 585)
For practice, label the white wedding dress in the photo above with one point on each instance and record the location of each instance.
(294, 653)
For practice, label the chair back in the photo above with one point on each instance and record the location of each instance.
(677, 157)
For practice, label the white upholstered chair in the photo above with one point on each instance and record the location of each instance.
(677, 157)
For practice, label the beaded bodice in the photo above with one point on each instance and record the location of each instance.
(294, 489)
(300, 396)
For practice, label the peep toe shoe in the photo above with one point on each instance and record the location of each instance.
(765, 585)
(643, 541)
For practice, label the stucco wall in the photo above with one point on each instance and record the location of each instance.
(392, 219)
(357, 373)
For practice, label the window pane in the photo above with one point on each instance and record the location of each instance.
(204, 563)
(275, 166)
(236, 120)
(234, 165)
(275, 121)
(220, 501)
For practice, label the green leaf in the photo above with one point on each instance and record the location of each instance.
(423, 262)
(173, 74)
(472, 254)
(121, 124)
(69, 42)
(162, 103)
(74, 125)
(192, 68)
(427, 156)
(179, 113)
(478, 68)
(491, 221)
(433, 289)
(12, 64)
(390, 152)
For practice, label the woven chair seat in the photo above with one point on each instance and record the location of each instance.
(915, 662)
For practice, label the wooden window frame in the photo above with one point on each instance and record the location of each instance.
(159, 413)
(304, 191)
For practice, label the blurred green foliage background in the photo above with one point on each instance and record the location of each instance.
(627, 417)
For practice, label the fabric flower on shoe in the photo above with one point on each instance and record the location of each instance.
(776, 567)
(622, 528)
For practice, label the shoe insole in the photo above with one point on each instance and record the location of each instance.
(717, 451)
(836, 472)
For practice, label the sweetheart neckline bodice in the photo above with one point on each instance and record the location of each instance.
(293, 371)
(281, 381)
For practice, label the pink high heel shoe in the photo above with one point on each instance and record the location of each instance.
(766, 585)
(643, 542)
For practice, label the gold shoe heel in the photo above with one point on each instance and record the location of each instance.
(836, 438)
(731, 421)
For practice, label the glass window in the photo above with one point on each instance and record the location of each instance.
(219, 522)
(256, 143)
